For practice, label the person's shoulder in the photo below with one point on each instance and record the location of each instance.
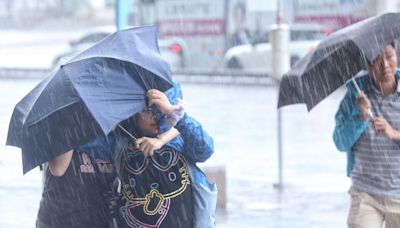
(93, 143)
(362, 80)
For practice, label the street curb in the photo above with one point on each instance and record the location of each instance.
(22, 73)
(183, 76)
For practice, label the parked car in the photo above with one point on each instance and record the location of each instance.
(172, 50)
(256, 57)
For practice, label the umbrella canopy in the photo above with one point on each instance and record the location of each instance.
(336, 59)
(87, 96)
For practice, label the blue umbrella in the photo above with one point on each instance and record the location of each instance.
(87, 96)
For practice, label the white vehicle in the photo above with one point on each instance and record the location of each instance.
(172, 50)
(256, 57)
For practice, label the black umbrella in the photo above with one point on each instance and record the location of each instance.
(337, 59)
(88, 96)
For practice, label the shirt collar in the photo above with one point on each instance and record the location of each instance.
(398, 77)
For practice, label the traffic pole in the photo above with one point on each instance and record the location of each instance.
(280, 62)
(122, 10)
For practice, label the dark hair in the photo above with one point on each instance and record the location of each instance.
(393, 43)
(131, 126)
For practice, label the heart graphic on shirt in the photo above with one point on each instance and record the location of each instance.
(163, 160)
(136, 162)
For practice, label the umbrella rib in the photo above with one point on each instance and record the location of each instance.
(127, 132)
(58, 109)
(334, 48)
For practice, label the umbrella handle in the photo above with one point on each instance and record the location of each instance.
(370, 113)
(359, 91)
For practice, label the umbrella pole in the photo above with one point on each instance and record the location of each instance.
(359, 91)
(127, 132)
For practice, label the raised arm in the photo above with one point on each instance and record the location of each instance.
(148, 145)
(194, 142)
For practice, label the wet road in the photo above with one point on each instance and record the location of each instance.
(242, 121)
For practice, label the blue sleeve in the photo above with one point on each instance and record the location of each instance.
(99, 148)
(348, 127)
(194, 142)
(198, 146)
(176, 143)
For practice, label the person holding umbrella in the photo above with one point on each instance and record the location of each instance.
(367, 128)
(68, 119)
(165, 189)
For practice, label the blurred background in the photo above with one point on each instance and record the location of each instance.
(221, 53)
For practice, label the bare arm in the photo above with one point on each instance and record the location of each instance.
(59, 165)
(168, 135)
(382, 126)
(149, 145)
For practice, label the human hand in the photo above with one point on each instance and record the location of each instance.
(160, 100)
(364, 105)
(148, 145)
(383, 127)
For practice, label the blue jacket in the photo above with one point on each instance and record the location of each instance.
(194, 142)
(348, 126)
(196, 146)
